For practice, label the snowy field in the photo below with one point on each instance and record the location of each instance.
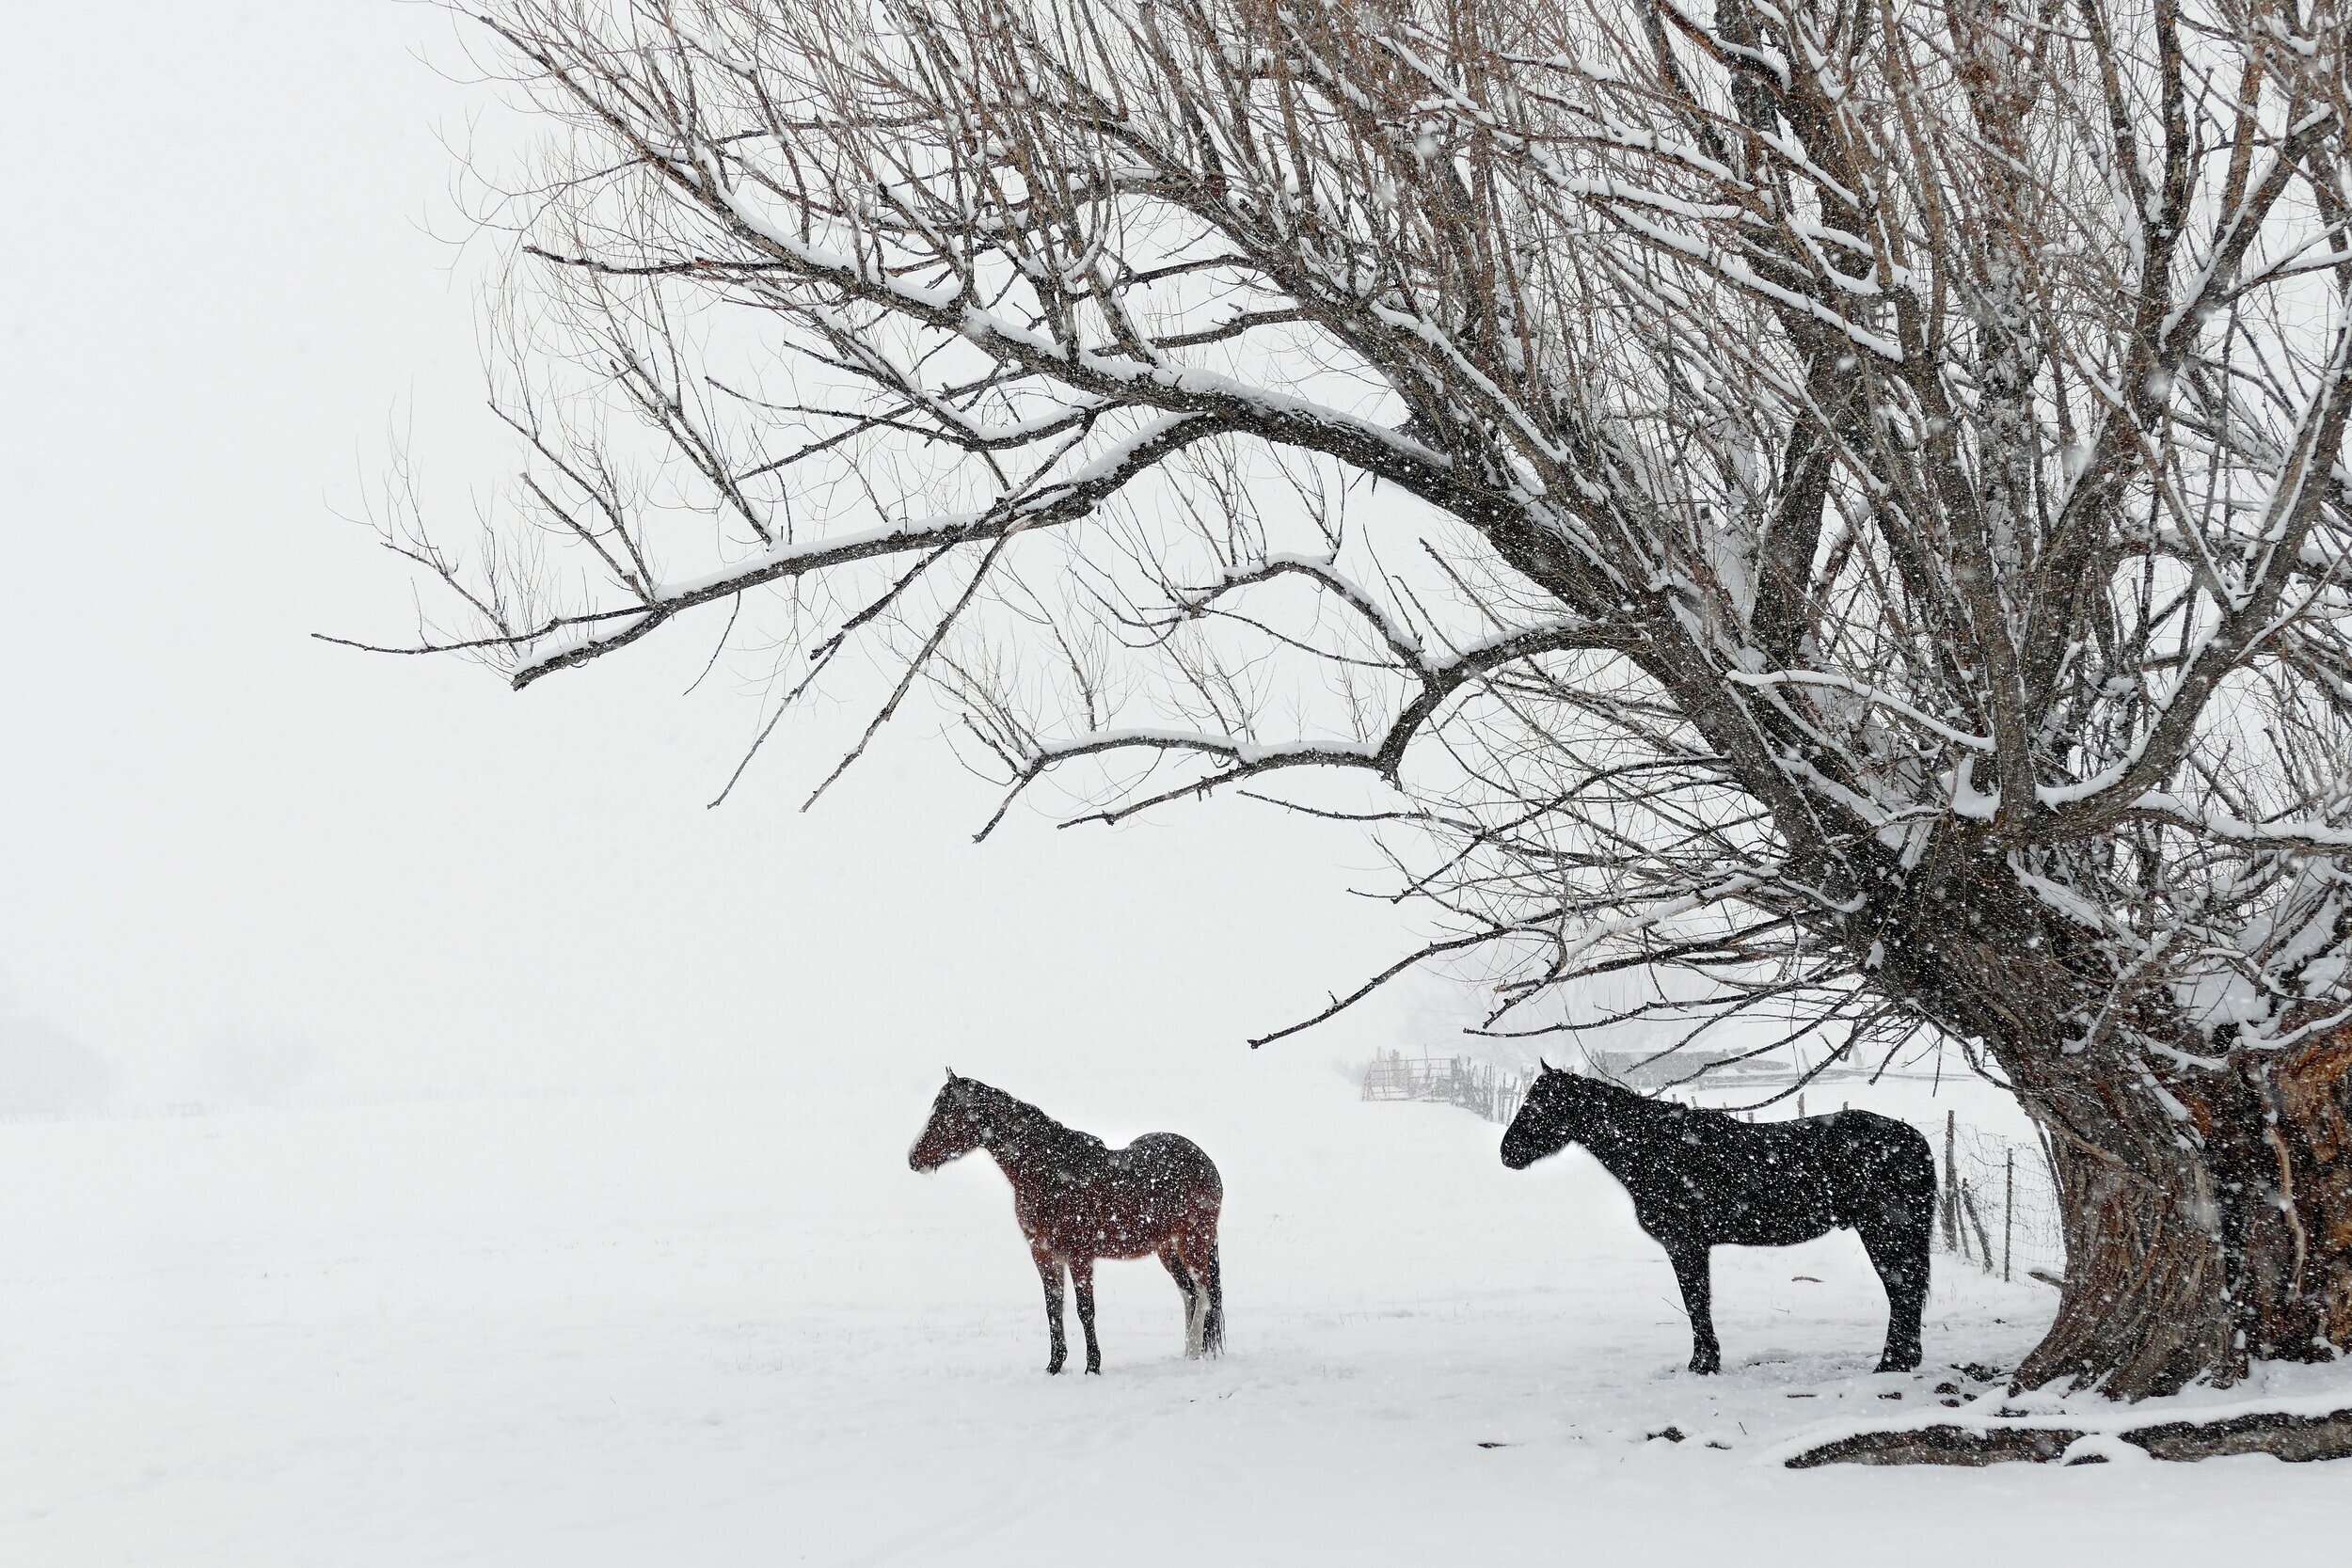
(725, 1326)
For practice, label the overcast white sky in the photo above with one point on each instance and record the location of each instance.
(219, 290)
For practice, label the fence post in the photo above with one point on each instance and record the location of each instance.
(1951, 1186)
(1976, 1221)
(2008, 1207)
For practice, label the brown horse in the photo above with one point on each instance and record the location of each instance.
(1078, 1200)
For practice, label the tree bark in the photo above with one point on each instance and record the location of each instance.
(2196, 1248)
(2144, 1310)
(2207, 1208)
(2283, 1168)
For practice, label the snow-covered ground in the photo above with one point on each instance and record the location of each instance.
(729, 1326)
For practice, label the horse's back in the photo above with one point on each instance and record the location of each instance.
(1847, 1146)
(1869, 1138)
(1719, 1180)
(1882, 1168)
(1159, 1190)
(1177, 1164)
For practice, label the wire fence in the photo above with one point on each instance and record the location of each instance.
(1996, 1199)
(1998, 1206)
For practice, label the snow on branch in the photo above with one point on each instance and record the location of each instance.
(1771, 465)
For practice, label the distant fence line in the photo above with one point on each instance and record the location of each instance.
(1473, 1086)
(1996, 1200)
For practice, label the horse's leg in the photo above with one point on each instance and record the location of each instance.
(1182, 1276)
(1897, 1240)
(1212, 1329)
(1204, 1293)
(1049, 1270)
(1690, 1270)
(1082, 1283)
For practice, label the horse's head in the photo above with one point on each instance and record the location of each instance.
(954, 1129)
(1551, 1118)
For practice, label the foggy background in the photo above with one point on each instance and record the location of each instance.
(241, 865)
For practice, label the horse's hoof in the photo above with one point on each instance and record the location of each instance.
(1707, 1365)
(1095, 1371)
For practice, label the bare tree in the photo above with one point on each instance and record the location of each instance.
(1843, 501)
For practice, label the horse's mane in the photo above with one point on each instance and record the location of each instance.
(1024, 1124)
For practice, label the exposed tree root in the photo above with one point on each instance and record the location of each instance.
(2291, 1438)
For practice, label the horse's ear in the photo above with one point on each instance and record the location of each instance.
(1546, 1066)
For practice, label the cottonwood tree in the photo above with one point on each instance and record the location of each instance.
(1841, 500)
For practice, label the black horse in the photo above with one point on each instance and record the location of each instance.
(1701, 1178)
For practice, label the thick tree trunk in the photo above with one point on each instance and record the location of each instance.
(2195, 1246)
(2206, 1190)
(2145, 1305)
(2285, 1172)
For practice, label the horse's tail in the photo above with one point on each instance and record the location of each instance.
(1213, 1332)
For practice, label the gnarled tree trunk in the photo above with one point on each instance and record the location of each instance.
(2145, 1305)
(2223, 1238)
(2205, 1183)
